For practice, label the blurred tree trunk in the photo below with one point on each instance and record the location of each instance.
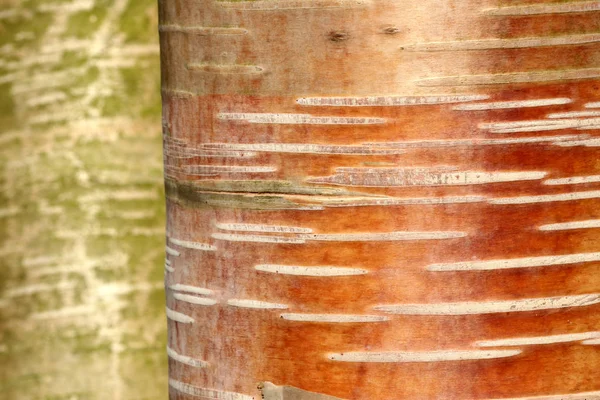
(81, 201)
(378, 199)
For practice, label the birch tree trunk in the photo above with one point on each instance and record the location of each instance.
(377, 199)
(81, 201)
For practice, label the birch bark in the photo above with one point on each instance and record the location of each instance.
(81, 201)
(376, 199)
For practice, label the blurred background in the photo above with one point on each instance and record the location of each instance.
(81, 201)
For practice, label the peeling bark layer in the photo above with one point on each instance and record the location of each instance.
(376, 199)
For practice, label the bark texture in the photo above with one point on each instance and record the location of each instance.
(378, 199)
(81, 201)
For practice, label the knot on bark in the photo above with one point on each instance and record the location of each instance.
(338, 36)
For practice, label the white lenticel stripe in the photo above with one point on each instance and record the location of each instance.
(499, 105)
(200, 301)
(209, 170)
(305, 148)
(573, 180)
(386, 101)
(244, 303)
(547, 8)
(207, 394)
(495, 44)
(172, 252)
(478, 142)
(539, 340)
(232, 237)
(179, 317)
(185, 359)
(511, 263)
(591, 342)
(191, 289)
(261, 228)
(574, 114)
(562, 226)
(226, 69)
(270, 5)
(323, 271)
(547, 198)
(300, 119)
(202, 30)
(334, 318)
(192, 245)
(514, 77)
(421, 356)
(383, 237)
(492, 307)
(565, 396)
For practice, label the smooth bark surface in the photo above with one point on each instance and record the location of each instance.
(377, 199)
(81, 201)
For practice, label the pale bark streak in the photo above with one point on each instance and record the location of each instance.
(191, 289)
(518, 43)
(341, 237)
(319, 271)
(201, 301)
(538, 125)
(193, 362)
(232, 237)
(573, 180)
(192, 245)
(384, 236)
(539, 340)
(208, 394)
(333, 318)
(547, 198)
(297, 119)
(477, 142)
(511, 263)
(566, 396)
(270, 391)
(421, 356)
(515, 77)
(387, 101)
(172, 252)
(227, 69)
(179, 317)
(591, 223)
(299, 148)
(537, 9)
(395, 201)
(585, 142)
(402, 177)
(492, 307)
(261, 228)
(275, 5)
(203, 30)
(591, 342)
(203, 170)
(245, 303)
(73, 313)
(574, 114)
(512, 104)
(32, 289)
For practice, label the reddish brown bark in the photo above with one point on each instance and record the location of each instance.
(379, 89)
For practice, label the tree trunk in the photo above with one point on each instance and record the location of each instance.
(378, 199)
(81, 201)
